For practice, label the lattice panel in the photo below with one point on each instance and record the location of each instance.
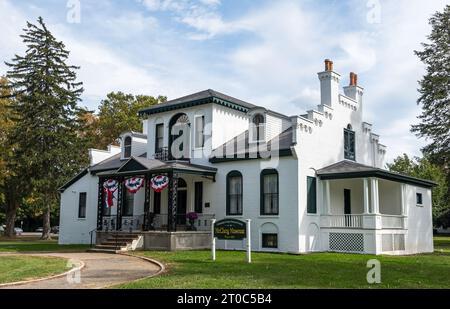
(346, 242)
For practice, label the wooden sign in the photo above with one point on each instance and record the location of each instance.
(230, 229)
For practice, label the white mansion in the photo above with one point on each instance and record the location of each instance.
(311, 182)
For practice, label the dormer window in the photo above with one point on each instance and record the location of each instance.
(349, 143)
(258, 128)
(127, 147)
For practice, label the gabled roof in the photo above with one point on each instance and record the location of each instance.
(244, 150)
(198, 98)
(136, 165)
(350, 169)
(112, 163)
(73, 180)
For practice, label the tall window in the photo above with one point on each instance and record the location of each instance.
(258, 127)
(128, 203)
(127, 147)
(199, 131)
(419, 199)
(234, 193)
(199, 197)
(82, 205)
(311, 195)
(349, 143)
(159, 136)
(269, 192)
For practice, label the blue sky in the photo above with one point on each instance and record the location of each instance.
(264, 52)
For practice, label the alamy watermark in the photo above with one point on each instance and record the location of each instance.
(374, 274)
(74, 11)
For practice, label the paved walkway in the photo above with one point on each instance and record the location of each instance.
(101, 270)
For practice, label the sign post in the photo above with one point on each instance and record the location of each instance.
(249, 242)
(230, 229)
(213, 240)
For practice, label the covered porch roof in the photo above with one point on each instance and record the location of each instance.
(349, 169)
(142, 165)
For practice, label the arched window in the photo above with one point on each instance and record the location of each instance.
(127, 147)
(269, 192)
(349, 143)
(179, 135)
(258, 127)
(234, 193)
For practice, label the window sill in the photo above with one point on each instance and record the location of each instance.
(419, 205)
(269, 216)
(234, 216)
(81, 219)
(313, 214)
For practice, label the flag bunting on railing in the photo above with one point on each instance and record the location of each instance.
(134, 184)
(110, 186)
(158, 183)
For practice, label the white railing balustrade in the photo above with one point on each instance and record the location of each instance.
(350, 221)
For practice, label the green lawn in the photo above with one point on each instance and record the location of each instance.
(18, 268)
(194, 269)
(32, 244)
(442, 244)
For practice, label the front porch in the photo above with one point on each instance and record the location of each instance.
(159, 215)
(364, 209)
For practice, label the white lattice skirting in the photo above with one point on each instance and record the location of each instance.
(346, 242)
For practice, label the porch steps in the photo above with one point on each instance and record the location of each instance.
(116, 243)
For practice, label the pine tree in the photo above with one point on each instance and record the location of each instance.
(46, 93)
(435, 91)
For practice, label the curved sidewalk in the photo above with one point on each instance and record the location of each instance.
(101, 270)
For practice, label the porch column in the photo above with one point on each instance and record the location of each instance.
(374, 196)
(146, 224)
(100, 202)
(404, 211)
(172, 203)
(366, 195)
(119, 204)
(327, 198)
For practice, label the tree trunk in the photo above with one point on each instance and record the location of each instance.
(11, 210)
(46, 224)
(10, 222)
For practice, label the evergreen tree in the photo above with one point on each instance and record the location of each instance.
(435, 92)
(46, 93)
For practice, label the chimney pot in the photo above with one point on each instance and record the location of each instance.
(353, 79)
(328, 65)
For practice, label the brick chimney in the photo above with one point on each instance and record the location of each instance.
(329, 84)
(353, 79)
(354, 91)
(328, 65)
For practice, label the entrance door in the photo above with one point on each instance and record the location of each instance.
(181, 201)
(347, 206)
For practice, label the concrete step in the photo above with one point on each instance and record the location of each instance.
(103, 250)
(113, 243)
(120, 240)
(110, 247)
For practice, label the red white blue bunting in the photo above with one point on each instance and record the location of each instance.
(134, 184)
(159, 183)
(110, 186)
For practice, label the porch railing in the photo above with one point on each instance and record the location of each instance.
(392, 222)
(203, 223)
(162, 154)
(350, 221)
(364, 221)
(131, 223)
